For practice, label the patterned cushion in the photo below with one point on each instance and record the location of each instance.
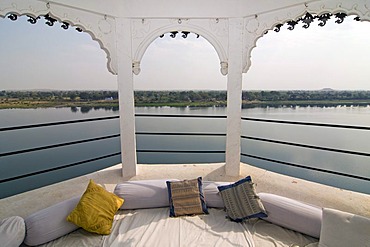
(241, 201)
(186, 197)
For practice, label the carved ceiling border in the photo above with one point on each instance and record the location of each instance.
(101, 28)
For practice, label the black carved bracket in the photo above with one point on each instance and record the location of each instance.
(277, 27)
(184, 34)
(173, 34)
(324, 18)
(308, 18)
(32, 19)
(65, 25)
(50, 21)
(340, 17)
(13, 17)
(292, 24)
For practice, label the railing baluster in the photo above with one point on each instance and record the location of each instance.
(306, 123)
(57, 145)
(306, 167)
(182, 134)
(306, 146)
(59, 167)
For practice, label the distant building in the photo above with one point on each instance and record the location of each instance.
(327, 89)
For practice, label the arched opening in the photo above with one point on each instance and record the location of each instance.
(326, 61)
(41, 61)
(180, 64)
(185, 30)
(41, 56)
(180, 76)
(338, 53)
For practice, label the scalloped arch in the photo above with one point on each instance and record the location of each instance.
(93, 36)
(363, 12)
(72, 23)
(143, 46)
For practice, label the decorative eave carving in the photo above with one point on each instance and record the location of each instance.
(100, 27)
(47, 19)
(224, 68)
(257, 26)
(183, 34)
(136, 67)
(308, 18)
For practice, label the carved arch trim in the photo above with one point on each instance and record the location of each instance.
(150, 36)
(268, 21)
(101, 28)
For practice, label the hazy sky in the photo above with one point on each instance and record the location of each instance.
(43, 57)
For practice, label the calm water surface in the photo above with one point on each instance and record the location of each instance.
(354, 140)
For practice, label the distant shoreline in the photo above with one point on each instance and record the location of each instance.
(250, 99)
(29, 104)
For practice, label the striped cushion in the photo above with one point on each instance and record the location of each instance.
(241, 201)
(186, 197)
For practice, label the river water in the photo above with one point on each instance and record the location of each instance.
(353, 140)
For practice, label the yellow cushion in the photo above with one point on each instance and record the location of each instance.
(96, 209)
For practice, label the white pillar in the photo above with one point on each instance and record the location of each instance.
(126, 97)
(234, 97)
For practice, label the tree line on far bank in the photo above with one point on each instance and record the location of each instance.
(149, 97)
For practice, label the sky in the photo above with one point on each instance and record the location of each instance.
(41, 57)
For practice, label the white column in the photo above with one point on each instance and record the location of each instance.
(234, 97)
(126, 97)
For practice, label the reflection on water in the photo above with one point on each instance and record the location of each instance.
(74, 109)
(319, 105)
(356, 140)
(87, 109)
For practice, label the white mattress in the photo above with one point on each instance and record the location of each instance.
(154, 227)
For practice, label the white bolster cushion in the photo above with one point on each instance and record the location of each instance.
(50, 223)
(292, 214)
(342, 229)
(143, 193)
(12, 231)
(212, 194)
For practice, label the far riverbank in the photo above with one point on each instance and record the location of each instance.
(250, 99)
(33, 104)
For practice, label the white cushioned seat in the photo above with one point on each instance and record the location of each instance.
(154, 193)
(50, 223)
(292, 214)
(342, 229)
(143, 193)
(12, 231)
